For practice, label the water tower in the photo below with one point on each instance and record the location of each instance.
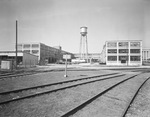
(83, 44)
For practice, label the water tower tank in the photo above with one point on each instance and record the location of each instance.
(83, 31)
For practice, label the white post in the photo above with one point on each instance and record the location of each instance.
(66, 68)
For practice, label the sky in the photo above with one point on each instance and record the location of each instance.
(58, 22)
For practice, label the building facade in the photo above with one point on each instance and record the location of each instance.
(45, 53)
(122, 52)
(25, 59)
(146, 55)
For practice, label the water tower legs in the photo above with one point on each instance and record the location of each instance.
(84, 48)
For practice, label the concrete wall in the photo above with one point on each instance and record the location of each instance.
(29, 60)
(123, 52)
(146, 54)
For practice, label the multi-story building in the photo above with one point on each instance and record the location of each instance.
(122, 52)
(45, 53)
(146, 55)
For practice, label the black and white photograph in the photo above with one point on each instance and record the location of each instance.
(74, 58)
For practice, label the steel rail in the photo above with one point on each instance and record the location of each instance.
(73, 111)
(51, 84)
(126, 110)
(55, 90)
(16, 75)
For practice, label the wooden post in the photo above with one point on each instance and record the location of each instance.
(16, 41)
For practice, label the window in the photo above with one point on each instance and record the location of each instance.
(123, 58)
(112, 50)
(135, 58)
(26, 45)
(123, 44)
(134, 50)
(135, 44)
(35, 51)
(27, 51)
(112, 58)
(35, 45)
(123, 50)
(111, 44)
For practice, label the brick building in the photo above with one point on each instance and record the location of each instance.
(45, 53)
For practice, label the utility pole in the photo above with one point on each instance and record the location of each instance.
(16, 41)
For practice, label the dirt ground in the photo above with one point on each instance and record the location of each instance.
(58, 103)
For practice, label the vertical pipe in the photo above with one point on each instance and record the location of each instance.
(16, 40)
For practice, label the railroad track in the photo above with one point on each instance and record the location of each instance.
(85, 80)
(132, 100)
(23, 73)
(143, 70)
(31, 72)
(15, 75)
(84, 104)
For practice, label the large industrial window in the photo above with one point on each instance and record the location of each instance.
(123, 50)
(135, 51)
(135, 58)
(35, 51)
(112, 58)
(123, 44)
(123, 58)
(112, 50)
(35, 45)
(135, 44)
(111, 44)
(26, 45)
(27, 51)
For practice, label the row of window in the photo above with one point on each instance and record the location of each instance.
(36, 46)
(28, 45)
(123, 44)
(132, 58)
(33, 51)
(123, 51)
(37, 51)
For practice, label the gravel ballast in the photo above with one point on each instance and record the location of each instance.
(113, 103)
(141, 104)
(58, 103)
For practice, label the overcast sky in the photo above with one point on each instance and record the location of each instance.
(58, 22)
